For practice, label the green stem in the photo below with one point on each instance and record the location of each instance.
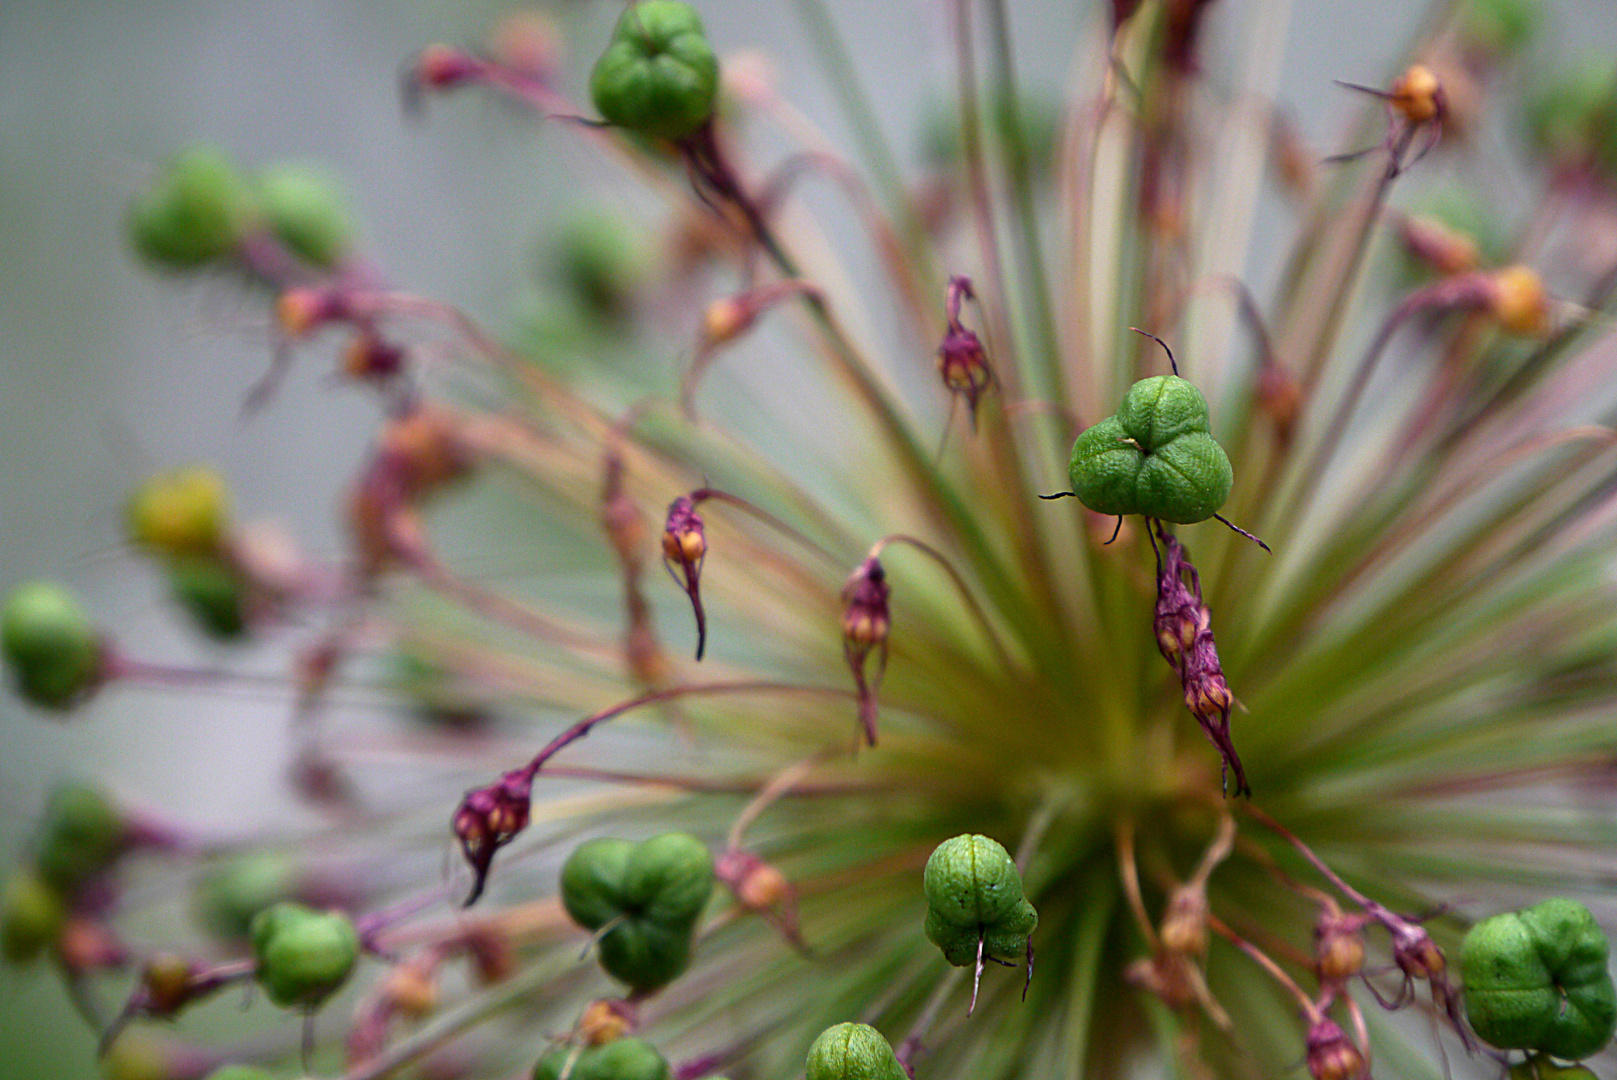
(832, 51)
(1030, 257)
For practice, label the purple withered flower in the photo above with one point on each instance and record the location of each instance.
(685, 546)
(1332, 1055)
(962, 361)
(1185, 637)
(489, 818)
(866, 622)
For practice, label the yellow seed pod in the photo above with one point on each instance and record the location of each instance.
(1518, 301)
(183, 512)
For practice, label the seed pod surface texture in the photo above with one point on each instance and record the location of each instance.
(852, 1052)
(1156, 456)
(658, 76)
(653, 892)
(621, 1059)
(973, 890)
(304, 956)
(1536, 980)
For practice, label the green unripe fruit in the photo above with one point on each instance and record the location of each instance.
(621, 1059)
(1542, 1069)
(83, 834)
(1156, 456)
(602, 261)
(183, 512)
(1573, 117)
(974, 891)
(239, 1072)
(658, 76)
(1537, 980)
(853, 1052)
(1500, 27)
(653, 892)
(230, 894)
(195, 212)
(304, 956)
(213, 593)
(305, 210)
(51, 646)
(137, 1055)
(31, 919)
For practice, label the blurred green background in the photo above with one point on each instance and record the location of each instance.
(107, 372)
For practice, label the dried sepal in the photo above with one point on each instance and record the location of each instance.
(866, 622)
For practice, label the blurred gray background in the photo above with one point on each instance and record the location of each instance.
(107, 372)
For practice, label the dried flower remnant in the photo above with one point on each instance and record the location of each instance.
(1184, 635)
(488, 819)
(1332, 1055)
(962, 361)
(866, 622)
(684, 550)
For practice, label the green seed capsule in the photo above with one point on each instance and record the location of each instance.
(235, 890)
(1155, 457)
(602, 261)
(239, 1072)
(31, 917)
(84, 833)
(183, 512)
(1572, 117)
(658, 76)
(1537, 980)
(1500, 28)
(653, 892)
(305, 210)
(1540, 1069)
(51, 646)
(974, 891)
(853, 1052)
(304, 956)
(628, 1058)
(213, 593)
(195, 212)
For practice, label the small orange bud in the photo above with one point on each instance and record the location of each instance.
(301, 310)
(411, 988)
(726, 319)
(1518, 301)
(604, 1021)
(1417, 94)
(1338, 954)
(166, 981)
(762, 888)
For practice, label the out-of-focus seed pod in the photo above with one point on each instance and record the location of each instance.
(184, 512)
(304, 956)
(213, 593)
(235, 889)
(621, 1059)
(84, 832)
(52, 649)
(195, 211)
(31, 917)
(304, 209)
